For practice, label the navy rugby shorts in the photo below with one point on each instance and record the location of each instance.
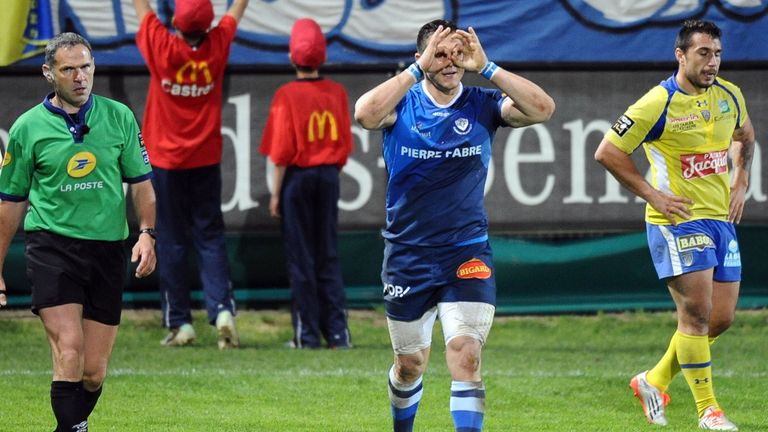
(417, 278)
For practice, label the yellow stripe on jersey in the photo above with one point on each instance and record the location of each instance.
(686, 140)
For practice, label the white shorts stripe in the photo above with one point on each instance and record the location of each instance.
(674, 257)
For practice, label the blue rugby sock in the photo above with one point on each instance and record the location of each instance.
(467, 405)
(405, 401)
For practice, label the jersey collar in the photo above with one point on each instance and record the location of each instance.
(434, 102)
(75, 122)
(671, 85)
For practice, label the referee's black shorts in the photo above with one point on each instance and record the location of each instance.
(65, 270)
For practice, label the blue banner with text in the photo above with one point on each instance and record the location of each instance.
(376, 32)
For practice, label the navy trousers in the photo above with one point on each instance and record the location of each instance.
(189, 205)
(309, 209)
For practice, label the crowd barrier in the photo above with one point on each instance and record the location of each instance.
(534, 276)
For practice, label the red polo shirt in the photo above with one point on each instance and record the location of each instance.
(308, 125)
(182, 119)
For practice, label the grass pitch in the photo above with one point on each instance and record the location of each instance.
(552, 373)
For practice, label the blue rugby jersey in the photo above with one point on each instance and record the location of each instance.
(437, 160)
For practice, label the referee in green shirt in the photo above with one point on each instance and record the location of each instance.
(68, 157)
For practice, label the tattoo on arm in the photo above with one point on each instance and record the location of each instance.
(747, 150)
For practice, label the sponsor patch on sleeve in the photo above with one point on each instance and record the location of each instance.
(143, 148)
(622, 125)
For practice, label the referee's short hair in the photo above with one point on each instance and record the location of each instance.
(67, 39)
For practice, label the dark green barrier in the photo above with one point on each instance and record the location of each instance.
(599, 274)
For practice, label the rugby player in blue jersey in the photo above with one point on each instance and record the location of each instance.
(437, 259)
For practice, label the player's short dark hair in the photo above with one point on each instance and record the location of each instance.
(67, 39)
(691, 27)
(427, 29)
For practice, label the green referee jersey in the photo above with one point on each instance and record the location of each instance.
(72, 168)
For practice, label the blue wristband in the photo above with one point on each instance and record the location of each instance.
(489, 69)
(416, 71)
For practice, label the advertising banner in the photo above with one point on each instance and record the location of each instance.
(543, 178)
(371, 32)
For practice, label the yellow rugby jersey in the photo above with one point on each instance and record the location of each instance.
(686, 140)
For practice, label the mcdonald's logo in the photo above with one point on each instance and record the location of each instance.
(317, 121)
(192, 68)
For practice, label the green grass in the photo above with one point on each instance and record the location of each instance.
(553, 373)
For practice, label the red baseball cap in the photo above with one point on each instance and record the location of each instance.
(307, 44)
(193, 15)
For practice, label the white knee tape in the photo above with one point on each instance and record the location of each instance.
(410, 337)
(471, 319)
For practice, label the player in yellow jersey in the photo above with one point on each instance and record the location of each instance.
(686, 125)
